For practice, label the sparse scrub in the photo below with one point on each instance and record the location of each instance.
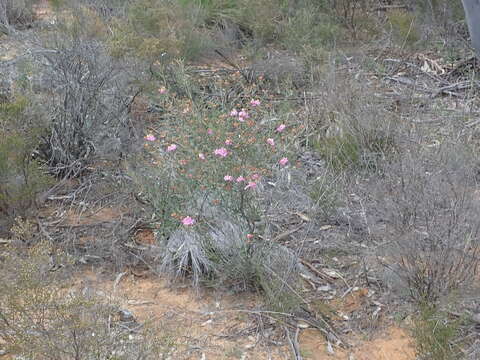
(347, 11)
(192, 29)
(240, 145)
(40, 319)
(309, 28)
(440, 21)
(441, 12)
(153, 29)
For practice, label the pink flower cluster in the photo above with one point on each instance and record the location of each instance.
(150, 137)
(221, 152)
(242, 115)
(283, 161)
(188, 221)
(250, 185)
(171, 148)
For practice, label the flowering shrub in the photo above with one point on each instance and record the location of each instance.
(221, 157)
(207, 193)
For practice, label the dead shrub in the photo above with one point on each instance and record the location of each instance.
(91, 95)
(431, 218)
(15, 14)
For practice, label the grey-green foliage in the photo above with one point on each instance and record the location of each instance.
(218, 252)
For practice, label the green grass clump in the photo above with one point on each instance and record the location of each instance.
(360, 149)
(339, 151)
(434, 333)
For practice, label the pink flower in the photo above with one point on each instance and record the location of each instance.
(188, 221)
(234, 112)
(150, 137)
(228, 142)
(240, 179)
(270, 141)
(162, 90)
(242, 115)
(255, 177)
(228, 178)
(222, 152)
(283, 161)
(171, 148)
(250, 185)
(249, 236)
(201, 156)
(209, 131)
(254, 102)
(281, 127)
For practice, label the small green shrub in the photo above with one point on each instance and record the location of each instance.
(21, 177)
(404, 27)
(435, 334)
